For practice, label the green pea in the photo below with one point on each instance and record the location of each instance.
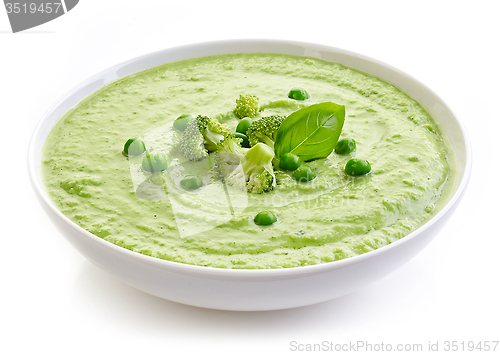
(345, 146)
(134, 146)
(245, 143)
(182, 121)
(290, 161)
(304, 174)
(154, 163)
(243, 125)
(298, 94)
(191, 182)
(265, 218)
(356, 167)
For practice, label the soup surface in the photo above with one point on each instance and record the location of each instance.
(333, 217)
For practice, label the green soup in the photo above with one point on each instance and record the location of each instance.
(333, 217)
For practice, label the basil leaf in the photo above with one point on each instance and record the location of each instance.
(311, 132)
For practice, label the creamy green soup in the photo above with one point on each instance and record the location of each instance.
(330, 218)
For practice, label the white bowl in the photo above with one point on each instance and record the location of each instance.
(251, 290)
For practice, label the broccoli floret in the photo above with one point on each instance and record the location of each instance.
(254, 173)
(264, 130)
(231, 145)
(246, 106)
(202, 135)
(260, 183)
(192, 146)
(213, 131)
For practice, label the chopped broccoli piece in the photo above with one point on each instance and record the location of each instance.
(254, 172)
(246, 106)
(228, 156)
(264, 130)
(202, 135)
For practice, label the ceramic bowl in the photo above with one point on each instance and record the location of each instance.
(252, 290)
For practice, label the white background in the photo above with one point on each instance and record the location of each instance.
(54, 301)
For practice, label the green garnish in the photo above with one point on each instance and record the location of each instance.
(304, 174)
(254, 172)
(264, 130)
(311, 132)
(265, 218)
(201, 136)
(290, 161)
(244, 139)
(154, 162)
(182, 121)
(134, 146)
(345, 146)
(246, 106)
(356, 167)
(191, 182)
(243, 125)
(298, 94)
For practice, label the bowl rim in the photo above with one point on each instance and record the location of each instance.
(223, 272)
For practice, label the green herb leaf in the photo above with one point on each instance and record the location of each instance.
(311, 132)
